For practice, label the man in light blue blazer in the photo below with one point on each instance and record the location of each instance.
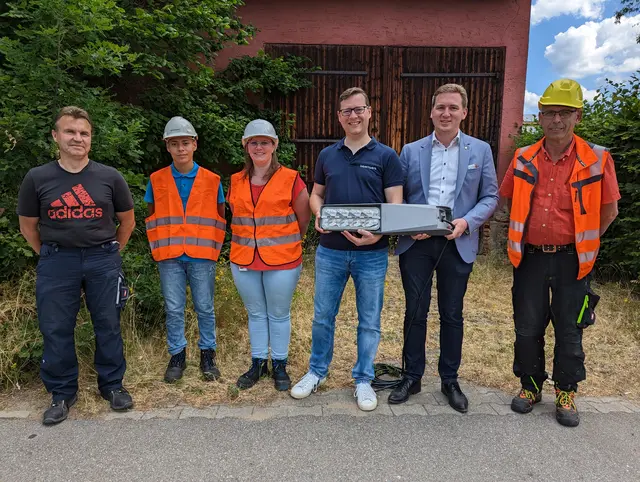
(446, 168)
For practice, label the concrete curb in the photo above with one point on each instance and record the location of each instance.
(428, 403)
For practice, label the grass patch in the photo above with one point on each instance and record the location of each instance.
(611, 345)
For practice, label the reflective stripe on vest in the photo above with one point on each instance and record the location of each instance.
(587, 174)
(269, 228)
(198, 233)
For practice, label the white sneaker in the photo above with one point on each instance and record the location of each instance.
(367, 398)
(306, 386)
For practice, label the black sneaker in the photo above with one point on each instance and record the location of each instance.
(280, 376)
(58, 411)
(177, 365)
(119, 399)
(208, 365)
(259, 368)
(524, 401)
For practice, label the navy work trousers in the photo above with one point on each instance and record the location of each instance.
(62, 274)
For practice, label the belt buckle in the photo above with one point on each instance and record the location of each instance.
(549, 248)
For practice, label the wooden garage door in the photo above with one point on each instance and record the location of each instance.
(400, 82)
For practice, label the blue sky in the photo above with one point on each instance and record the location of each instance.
(578, 39)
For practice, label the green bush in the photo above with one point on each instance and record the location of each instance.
(613, 120)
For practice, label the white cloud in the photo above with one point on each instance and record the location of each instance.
(588, 95)
(596, 48)
(546, 9)
(531, 101)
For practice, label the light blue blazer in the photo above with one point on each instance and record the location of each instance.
(476, 195)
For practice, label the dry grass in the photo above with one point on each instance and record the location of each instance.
(612, 345)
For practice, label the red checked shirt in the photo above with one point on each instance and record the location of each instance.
(551, 216)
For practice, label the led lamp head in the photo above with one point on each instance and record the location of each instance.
(387, 218)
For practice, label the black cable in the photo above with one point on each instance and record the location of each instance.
(381, 369)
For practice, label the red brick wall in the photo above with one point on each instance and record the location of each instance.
(429, 23)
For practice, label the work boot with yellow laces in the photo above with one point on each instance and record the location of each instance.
(566, 410)
(524, 401)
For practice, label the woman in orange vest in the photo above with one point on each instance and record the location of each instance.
(270, 208)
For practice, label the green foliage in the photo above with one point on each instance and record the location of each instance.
(613, 120)
(132, 64)
(628, 7)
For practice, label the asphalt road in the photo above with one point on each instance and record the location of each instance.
(605, 447)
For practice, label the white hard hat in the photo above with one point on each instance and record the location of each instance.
(179, 127)
(259, 127)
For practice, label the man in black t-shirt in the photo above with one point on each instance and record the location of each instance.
(68, 210)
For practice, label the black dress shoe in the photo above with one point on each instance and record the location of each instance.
(457, 400)
(401, 393)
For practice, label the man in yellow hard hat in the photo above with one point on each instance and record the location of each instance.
(563, 196)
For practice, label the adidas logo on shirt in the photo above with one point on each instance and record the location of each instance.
(75, 204)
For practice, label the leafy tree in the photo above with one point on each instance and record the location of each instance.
(628, 7)
(132, 64)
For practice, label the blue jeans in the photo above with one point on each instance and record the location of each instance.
(333, 268)
(173, 279)
(267, 297)
(63, 273)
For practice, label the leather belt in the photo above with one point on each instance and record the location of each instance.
(550, 248)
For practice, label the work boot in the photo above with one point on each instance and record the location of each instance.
(259, 368)
(119, 399)
(208, 366)
(566, 410)
(524, 401)
(177, 365)
(280, 376)
(58, 411)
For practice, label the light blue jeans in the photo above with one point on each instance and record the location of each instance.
(333, 268)
(267, 297)
(201, 277)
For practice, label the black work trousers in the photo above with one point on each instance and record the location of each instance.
(539, 275)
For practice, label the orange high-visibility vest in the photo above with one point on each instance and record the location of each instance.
(267, 225)
(199, 232)
(586, 191)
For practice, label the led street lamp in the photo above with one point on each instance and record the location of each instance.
(387, 218)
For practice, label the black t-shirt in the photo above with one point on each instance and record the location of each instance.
(76, 210)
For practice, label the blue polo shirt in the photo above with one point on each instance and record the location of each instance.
(356, 178)
(184, 183)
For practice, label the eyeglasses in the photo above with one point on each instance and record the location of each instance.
(262, 144)
(357, 110)
(551, 114)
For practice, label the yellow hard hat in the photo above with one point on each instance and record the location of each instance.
(565, 92)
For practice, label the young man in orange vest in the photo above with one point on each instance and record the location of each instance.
(564, 195)
(186, 231)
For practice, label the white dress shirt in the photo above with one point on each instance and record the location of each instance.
(444, 172)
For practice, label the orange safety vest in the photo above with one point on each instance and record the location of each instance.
(267, 225)
(586, 191)
(199, 232)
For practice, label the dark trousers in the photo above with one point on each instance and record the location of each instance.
(62, 274)
(416, 268)
(538, 274)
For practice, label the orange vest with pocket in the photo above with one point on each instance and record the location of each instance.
(586, 192)
(268, 225)
(199, 232)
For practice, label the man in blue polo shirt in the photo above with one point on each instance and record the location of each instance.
(357, 169)
(181, 142)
